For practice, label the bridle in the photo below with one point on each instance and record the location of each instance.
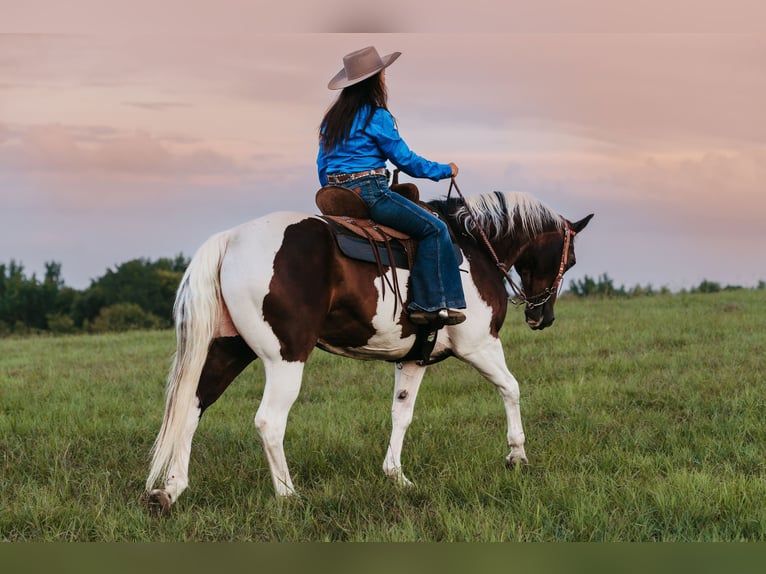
(522, 298)
(543, 297)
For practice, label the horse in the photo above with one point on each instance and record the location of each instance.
(277, 287)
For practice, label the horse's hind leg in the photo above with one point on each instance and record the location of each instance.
(283, 383)
(226, 359)
(489, 360)
(177, 478)
(276, 281)
(407, 382)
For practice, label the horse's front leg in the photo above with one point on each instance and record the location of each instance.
(489, 360)
(406, 384)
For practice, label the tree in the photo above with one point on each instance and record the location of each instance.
(25, 303)
(29, 305)
(123, 317)
(707, 287)
(149, 284)
(604, 287)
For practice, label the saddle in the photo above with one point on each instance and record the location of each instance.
(361, 238)
(358, 236)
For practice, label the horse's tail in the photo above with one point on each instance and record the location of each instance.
(197, 312)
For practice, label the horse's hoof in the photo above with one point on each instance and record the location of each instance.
(158, 501)
(398, 478)
(403, 482)
(291, 495)
(512, 462)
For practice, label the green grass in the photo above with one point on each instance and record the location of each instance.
(644, 421)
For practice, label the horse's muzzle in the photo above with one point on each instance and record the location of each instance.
(539, 325)
(540, 320)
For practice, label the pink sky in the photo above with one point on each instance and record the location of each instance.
(123, 142)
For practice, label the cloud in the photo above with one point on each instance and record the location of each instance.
(64, 149)
(709, 195)
(656, 133)
(158, 106)
(630, 89)
(482, 16)
(720, 191)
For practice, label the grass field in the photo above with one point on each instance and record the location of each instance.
(644, 421)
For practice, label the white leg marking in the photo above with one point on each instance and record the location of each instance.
(489, 360)
(406, 386)
(283, 383)
(177, 478)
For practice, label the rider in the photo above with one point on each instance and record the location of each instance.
(356, 137)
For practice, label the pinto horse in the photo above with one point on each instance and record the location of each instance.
(277, 287)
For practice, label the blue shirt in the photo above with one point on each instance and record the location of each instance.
(369, 148)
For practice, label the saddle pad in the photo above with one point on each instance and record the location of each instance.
(358, 248)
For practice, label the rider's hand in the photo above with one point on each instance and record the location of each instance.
(454, 169)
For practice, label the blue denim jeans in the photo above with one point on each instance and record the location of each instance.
(434, 279)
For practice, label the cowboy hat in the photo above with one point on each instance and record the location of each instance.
(360, 65)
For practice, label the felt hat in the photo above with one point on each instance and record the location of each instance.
(360, 65)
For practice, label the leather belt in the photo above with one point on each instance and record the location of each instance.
(337, 178)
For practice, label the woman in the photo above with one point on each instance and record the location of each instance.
(356, 137)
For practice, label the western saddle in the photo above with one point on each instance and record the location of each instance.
(359, 237)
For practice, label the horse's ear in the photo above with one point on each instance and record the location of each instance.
(578, 226)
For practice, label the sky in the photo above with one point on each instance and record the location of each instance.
(134, 132)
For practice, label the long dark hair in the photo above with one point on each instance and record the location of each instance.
(337, 122)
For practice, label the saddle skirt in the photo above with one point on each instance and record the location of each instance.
(365, 240)
(359, 237)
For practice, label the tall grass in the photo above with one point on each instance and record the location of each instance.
(644, 421)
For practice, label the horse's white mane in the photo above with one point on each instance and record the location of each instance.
(502, 214)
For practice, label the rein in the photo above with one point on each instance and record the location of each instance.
(521, 297)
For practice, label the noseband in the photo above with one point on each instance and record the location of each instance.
(531, 301)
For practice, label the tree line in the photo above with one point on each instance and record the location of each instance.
(604, 286)
(139, 294)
